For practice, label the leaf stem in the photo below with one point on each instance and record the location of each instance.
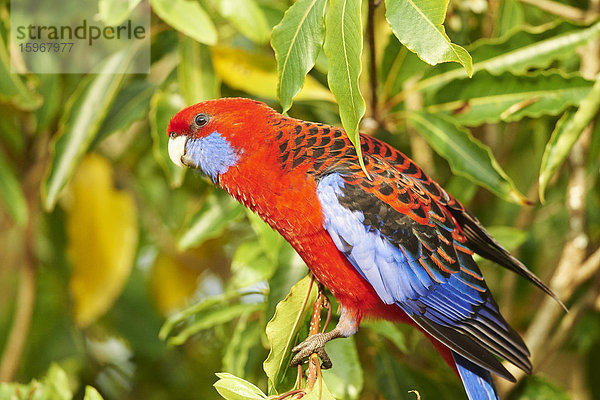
(290, 393)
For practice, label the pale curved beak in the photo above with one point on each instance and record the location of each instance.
(177, 149)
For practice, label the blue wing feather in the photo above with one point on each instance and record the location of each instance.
(445, 295)
(476, 380)
(368, 251)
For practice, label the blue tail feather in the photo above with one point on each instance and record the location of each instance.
(476, 380)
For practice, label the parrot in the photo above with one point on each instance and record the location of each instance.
(392, 245)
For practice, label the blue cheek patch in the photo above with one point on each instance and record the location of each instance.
(213, 154)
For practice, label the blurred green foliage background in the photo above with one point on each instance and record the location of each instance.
(102, 238)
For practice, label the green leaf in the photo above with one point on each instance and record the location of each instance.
(566, 133)
(418, 24)
(188, 17)
(510, 17)
(80, 124)
(508, 236)
(398, 64)
(217, 212)
(388, 330)
(211, 318)
(540, 388)
(282, 331)
(56, 384)
(297, 41)
(11, 131)
(130, 105)
(91, 394)
(593, 159)
(115, 12)
(12, 88)
(11, 194)
(163, 106)
(246, 336)
(250, 264)
(345, 378)
(205, 304)
(343, 47)
(291, 269)
(507, 97)
(195, 72)
(50, 89)
(209, 313)
(320, 391)
(466, 155)
(233, 388)
(530, 48)
(247, 17)
(270, 240)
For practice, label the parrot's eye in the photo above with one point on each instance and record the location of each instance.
(172, 134)
(201, 119)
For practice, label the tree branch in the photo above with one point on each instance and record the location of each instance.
(314, 364)
(17, 337)
(563, 282)
(588, 268)
(565, 11)
(20, 327)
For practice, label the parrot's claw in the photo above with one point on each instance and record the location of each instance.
(312, 344)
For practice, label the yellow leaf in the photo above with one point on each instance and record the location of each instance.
(257, 74)
(172, 283)
(102, 239)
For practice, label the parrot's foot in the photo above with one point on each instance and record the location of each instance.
(313, 344)
(346, 326)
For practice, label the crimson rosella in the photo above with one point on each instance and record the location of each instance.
(394, 245)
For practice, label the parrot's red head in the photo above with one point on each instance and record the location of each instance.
(215, 134)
